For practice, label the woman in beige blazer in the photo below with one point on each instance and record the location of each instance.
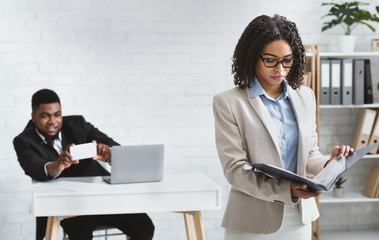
(269, 118)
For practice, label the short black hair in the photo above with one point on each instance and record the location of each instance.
(44, 96)
(258, 33)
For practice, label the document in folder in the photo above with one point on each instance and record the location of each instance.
(323, 181)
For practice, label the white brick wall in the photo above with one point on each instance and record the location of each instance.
(142, 71)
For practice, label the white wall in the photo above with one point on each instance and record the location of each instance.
(143, 71)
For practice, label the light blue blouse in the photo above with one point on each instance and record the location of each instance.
(284, 120)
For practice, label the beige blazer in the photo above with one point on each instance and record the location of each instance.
(245, 133)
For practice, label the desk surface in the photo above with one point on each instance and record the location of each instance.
(91, 195)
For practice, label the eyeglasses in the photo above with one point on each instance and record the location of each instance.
(273, 62)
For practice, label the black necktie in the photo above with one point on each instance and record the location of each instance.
(50, 142)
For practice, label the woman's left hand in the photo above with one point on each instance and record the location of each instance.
(340, 151)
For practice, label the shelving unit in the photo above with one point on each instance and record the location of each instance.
(351, 197)
(373, 105)
(350, 235)
(342, 54)
(351, 54)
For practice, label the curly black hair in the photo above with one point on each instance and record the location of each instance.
(258, 33)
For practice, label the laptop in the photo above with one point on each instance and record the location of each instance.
(135, 164)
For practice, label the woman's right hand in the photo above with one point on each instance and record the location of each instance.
(298, 190)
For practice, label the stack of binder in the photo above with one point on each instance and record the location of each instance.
(345, 81)
(371, 189)
(367, 129)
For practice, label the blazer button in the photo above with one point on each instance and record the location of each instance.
(279, 202)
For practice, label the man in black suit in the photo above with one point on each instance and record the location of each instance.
(43, 152)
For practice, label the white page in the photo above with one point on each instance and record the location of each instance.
(329, 174)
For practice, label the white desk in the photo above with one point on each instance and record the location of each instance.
(185, 193)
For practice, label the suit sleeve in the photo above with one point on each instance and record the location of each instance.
(93, 133)
(233, 158)
(30, 159)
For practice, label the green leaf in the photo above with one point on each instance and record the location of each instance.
(369, 26)
(348, 14)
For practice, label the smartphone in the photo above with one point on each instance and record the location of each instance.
(83, 151)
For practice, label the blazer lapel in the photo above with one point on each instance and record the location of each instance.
(299, 110)
(265, 118)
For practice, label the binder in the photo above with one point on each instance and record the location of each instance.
(335, 93)
(325, 81)
(372, 183)
(358, 81)
(374, 137)
(363, 128)
(323, 181)
(347, 82)
(368, 96)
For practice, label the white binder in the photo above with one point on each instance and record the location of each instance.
(325, 82)
(347, 82)
(335, 94)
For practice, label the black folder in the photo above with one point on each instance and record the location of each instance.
(368, 83)
(323, 181)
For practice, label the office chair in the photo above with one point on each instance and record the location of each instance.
(104, 235)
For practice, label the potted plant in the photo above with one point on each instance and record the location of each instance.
(348, 15)
(338, 189)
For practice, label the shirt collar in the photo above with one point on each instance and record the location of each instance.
(43, 137)
(256, 89)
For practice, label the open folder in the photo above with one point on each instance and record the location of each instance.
(326, 178)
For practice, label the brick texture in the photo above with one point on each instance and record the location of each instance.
(142, 71)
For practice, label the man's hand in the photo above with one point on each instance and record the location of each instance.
(103, 152)
(64, 161)
(298, 191)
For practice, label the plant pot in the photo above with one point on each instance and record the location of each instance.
(338, 192)
(346, 43)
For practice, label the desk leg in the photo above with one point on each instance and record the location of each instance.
(200, 235)
(52, 228)
(188, 219)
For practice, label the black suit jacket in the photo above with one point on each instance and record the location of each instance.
(33, 153)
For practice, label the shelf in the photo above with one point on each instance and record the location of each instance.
(350, 235)
(347, 54)
(371, 105)
(350, 197)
